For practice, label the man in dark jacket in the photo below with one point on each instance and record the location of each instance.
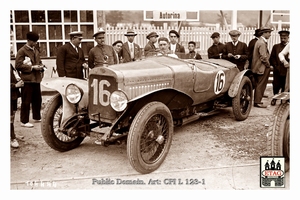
(236, 51)
(192, 54)
(15, 84)
(175, 47)
(150, 48)
(130, 50)
(216, 49)
(31, 68)
(279, 71)
(70, 59)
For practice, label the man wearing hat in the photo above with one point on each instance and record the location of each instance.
(261, 66)
(192, 54)
(150, 48)
(102, 53)
(130, 50)
(31, 68)
(70, 60)
(252, 42)
(236, 51)
(117, 45)
(216, 49)
(175, 47)
(279, 71)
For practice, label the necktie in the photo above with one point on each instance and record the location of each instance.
(131, 51)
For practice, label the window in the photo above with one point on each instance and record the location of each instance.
(53, 27)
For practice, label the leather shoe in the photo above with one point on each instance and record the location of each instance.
(273, 102)
(259, 105)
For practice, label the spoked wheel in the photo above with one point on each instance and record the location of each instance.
(278, 141)
(242, 102)
(51, 121)
(150, 137)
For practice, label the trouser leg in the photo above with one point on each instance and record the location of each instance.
(276, 82)
(36, 101)
(261, 85)
(26, 94)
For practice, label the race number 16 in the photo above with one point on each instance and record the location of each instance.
(219, 82)
(100, 92)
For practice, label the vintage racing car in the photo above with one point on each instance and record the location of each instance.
(141, 102)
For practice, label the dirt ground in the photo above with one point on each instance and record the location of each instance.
(214, 152)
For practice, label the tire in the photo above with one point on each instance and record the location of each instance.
(278, 137)
(51, 121)
(242, 102)
(149, 138)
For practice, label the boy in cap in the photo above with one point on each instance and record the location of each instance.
(236, 51)
(130, 50)
(175, 47)
(150, 48)
(192, 53)
(29, 63)
(117, 45)
(261, 66)
(279, 70)
(216, 49)
(70, 60)
(102, 53)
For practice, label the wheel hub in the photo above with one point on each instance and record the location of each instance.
(160, 139)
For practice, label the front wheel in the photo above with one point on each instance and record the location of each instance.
(149, 137)
(278, 141)
(51, 121)
(242, 102)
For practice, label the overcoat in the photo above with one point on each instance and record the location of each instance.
(261, 57)
(125, 52)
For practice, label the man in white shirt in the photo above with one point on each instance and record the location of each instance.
(130, 50)
(281, 55)
(175, 47)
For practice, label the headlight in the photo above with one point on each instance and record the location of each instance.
(118, 101)
(73, 93)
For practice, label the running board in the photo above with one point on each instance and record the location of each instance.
(197, 116)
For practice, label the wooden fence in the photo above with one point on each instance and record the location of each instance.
(201, 35)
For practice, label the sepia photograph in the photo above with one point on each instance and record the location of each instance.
(150, 98)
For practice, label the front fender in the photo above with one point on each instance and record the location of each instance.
(59, 84)
(234, 87)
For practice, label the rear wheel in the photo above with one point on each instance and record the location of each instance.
(278, 141)
(242, 102)
(150, 137)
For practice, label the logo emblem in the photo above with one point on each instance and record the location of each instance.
(272, 174)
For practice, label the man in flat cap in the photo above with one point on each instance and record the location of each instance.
(279, 71)
(130, 50)
(164, 47)
(31, 68)
(261, 66)
(236, 51)
(192, 54)
(175, 47)
(150, 48)
(101, 53)
(70, 60)
(117, 45)
(216, 49)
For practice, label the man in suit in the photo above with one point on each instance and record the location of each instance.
(261, 66)
(150, 48)
(279, 71)
(175, 47)
(130, 50)
(216, 49)
(70, 59)
(236, 51)
(252, 42)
